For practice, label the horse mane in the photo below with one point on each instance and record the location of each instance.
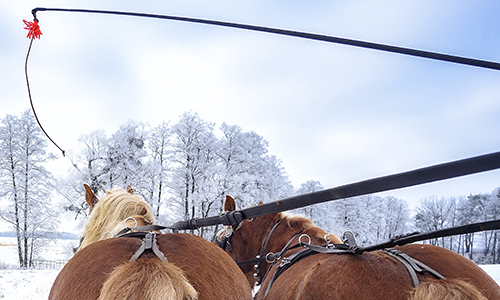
(297, 222)
(110, 213)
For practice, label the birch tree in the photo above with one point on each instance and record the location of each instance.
(193, 158)
(158, 167)
(28, 185)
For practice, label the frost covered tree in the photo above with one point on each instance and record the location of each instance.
(26, 185)
(372, 219)
(481, 208)
(158, 166)
(194, 161)
(434, 214)
(358, 214)
(317, 212)
(89, 167)
(397, 217)
(125, 157)
(261, 177)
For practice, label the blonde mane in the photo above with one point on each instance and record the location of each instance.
(110, 213)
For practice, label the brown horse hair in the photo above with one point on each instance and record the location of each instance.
(294, 223)
(446, 289)
(149, 279)
(304, 224)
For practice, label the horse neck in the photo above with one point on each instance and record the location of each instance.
(291, 227)
(284, 233)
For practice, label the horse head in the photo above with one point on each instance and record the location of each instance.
(117, 209)
(252, 240)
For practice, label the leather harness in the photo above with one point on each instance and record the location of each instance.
(148, 240)
(412, 265)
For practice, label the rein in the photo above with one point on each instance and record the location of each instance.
(438, 172)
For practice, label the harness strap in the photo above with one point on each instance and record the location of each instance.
(228, 244)
(286, 263)
(259, 259)
(407, 264)
(262, 255)
(149, 243)
(412, 265)
(333, 249)
(128, 230)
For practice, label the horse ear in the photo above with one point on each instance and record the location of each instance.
(90, 197)
(260, 203)
(229, 204)
(130, 190)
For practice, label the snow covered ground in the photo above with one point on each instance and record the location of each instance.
(36, 284)
(30, 284)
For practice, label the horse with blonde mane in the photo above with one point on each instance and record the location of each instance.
(175, 266)
(259, 246)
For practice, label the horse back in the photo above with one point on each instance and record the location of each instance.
(453, 266)
(341, 276)
(84, 275)
(372, 275)
(212, 273)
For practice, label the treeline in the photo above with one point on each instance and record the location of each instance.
(374, 219)
(438, 213)
(185, 169)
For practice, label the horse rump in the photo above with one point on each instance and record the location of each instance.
(446, 289)
(149, 279)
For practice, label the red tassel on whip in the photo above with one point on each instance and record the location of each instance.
(34, 29)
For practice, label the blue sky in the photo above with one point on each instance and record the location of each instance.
(332, 113)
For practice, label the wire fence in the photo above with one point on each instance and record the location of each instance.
(48, 264)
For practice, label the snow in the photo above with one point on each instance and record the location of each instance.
(18, 284)
(26, 284)
(35, 284)
(493, 271)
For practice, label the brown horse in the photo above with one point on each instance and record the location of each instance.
(370, 275)
(102, 269)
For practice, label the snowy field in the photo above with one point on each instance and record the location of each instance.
(36, 284)
(30, 284)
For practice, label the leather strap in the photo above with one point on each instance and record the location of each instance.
(127, 230)
(412, 265)
(415, 177)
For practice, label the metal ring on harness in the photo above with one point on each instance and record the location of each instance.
(327, 240)
(228, 232)
(273, 258)
(106, 234)
(130, 218)
(304, 235)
